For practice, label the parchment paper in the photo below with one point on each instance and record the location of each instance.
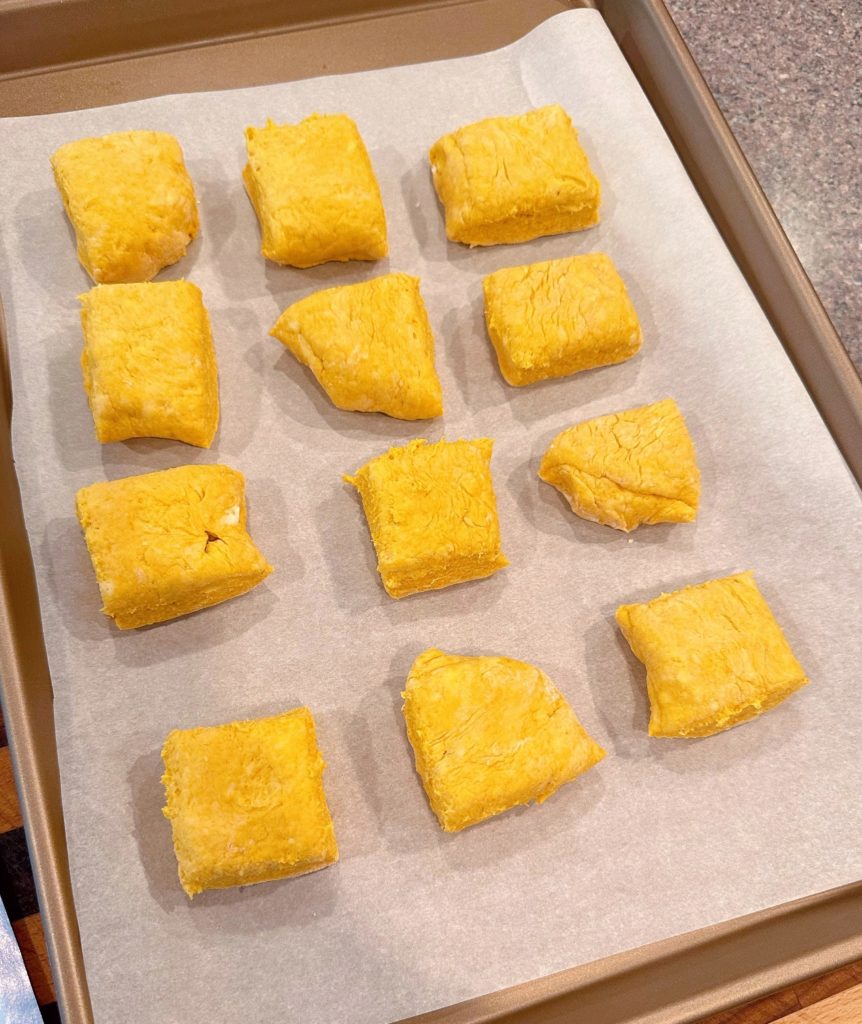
(662, 837)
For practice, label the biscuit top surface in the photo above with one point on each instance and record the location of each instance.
(315, 191)
(321, 155)
(646, 450)
(246, 800)
(543, 310)
(505, 167)
(422, 497)
(149, 363)
(369, 344)
(716, 641)
(174, 521)
(489, 733)
(130, 200)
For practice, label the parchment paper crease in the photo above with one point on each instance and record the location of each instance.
(663, 836)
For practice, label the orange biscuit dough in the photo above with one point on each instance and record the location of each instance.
(246, 802)
(511, 179)
(168, 543)
(314, 191)
(489, 734)
(148, 362)
(627, 468)
(369, 345)
(559, 317)
(432, 513)
(131, 202)
(714, 656)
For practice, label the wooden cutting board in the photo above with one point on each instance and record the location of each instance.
(834, 998)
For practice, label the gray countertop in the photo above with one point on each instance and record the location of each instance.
(788, 78)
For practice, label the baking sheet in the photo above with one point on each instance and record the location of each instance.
(662, 836)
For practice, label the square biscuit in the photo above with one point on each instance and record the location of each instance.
(627, 468)
(714, 656)
(369, 345)
(148, 362)
(168, 543)
(314, 191)
(246, 802)
(559, 317)
(489, 734)
(432, 513)
(511, 179)
(131, 202)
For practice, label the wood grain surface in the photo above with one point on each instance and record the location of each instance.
(834, 998)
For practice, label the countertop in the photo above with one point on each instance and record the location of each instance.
(788, 78)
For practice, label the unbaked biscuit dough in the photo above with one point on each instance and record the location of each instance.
(369, 345)
(510, 179)
(148, 362)
(489, 734)
(559, 317)
(246, 802)
(131, 202)
(714, 656)
(168, 543)
(627, 468)
(432, 513)
(314, 191)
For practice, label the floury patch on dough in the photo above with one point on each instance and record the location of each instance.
(559, 317)
(432, 513)
(148, 362)
(168, 543)
(714, 656)
(314, 191)
(131, 202)
(512, 179)
(246, 802)
(488, 734)
(369, 345)
(627, 468)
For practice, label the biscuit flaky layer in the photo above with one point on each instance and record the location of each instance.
(432, 513)
(246, 802)
(131, 202)
(627, 468)
(510, 179)
(168, 543)
(369, 345)
(148, 362)
(559, 317)
(488, 734)
(714, 656)
(314, 191)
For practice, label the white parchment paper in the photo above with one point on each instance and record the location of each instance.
(663, 836)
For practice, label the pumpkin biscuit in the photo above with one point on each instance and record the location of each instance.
(511, 179)
(627, 468)
(559, 317)
(168, 543)
(148, 362)
(369, 345)
(131, 202)
(714, 656)
(489, 734)
(432, 513)
(314, 191)
(246, 802)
